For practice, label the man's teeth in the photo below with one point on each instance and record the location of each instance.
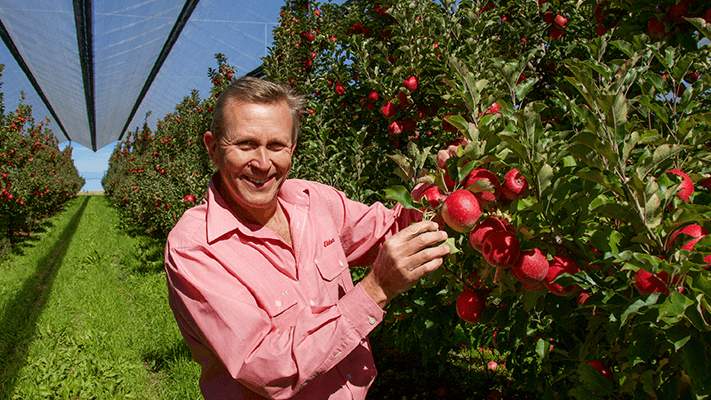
(258, 181)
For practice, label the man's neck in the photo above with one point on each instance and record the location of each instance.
(261, 216)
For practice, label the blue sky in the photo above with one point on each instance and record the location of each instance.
(241, 30)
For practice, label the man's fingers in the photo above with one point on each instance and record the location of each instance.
(427, 267)
(430, 253)
(418, 228)
(424, 240)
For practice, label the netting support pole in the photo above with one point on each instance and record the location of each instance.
(180, 23)
(85, 42)
(10, 44)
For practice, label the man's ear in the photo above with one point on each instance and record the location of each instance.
(210, 141)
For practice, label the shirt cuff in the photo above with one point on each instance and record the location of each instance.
(362, 312)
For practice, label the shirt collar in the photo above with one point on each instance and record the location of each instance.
(221, 219)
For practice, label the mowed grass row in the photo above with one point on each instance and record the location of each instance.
(84, 314)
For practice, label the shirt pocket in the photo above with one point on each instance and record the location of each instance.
(333, 268)
(282, 306)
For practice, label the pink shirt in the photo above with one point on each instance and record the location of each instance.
(268, 320)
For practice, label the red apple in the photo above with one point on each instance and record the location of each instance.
(373, 96)
(410, 83)
(600, 367)
(442, 157)
(492, 365)
(648, 283)
(695, 231)
(532, 267)
(430, 192)
(486, 198)
(461, 210)
(308, 35)
(488, 6)
(583, 298)
(558, 266)
(600, 29)
(490, 224)
(548, 17)
(500, 248)
(656, 28)
(515, 185)
(339, 89)
(678, 11)
(706, 183)
(556, 33)
(686, 187)
(470, 305)
(560, 21)
(388, 109)
(494, 108)
(599, 13)
(693, 76)
(395, 128)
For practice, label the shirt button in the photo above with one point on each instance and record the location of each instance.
(349, 376)
(341, 264)
(278, 303)
(371, 320)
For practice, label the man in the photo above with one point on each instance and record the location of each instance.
(258, 274)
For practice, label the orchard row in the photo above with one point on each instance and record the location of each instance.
(36, 177)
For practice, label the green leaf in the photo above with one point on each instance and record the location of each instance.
(544, 177)
(595, 175)
(673, 309)
(631, 142)
(652, 212)
(638, 305)
(701, 24)
(514, 144)
(624, 47)
(613, 241)
(541, 348)
(405, 170)
(452, 244)
(619, 109)
(401, 195)
(702, 283)
(664, 151)
(458, 122)
(524, 88)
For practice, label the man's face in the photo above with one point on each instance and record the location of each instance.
(253, 155)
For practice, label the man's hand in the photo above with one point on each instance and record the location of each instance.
(403, 259)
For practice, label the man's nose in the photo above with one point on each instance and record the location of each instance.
(261, 158)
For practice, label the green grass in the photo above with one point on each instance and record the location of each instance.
(84, 314)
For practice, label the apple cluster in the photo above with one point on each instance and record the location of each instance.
(461, 207)
(470, 207)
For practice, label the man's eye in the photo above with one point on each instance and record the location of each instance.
(276, 147)
(246, 146)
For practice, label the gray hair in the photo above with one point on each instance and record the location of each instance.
(257, 91)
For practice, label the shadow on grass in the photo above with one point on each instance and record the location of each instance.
(161, 359)
(29, 239)
(19, 322)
